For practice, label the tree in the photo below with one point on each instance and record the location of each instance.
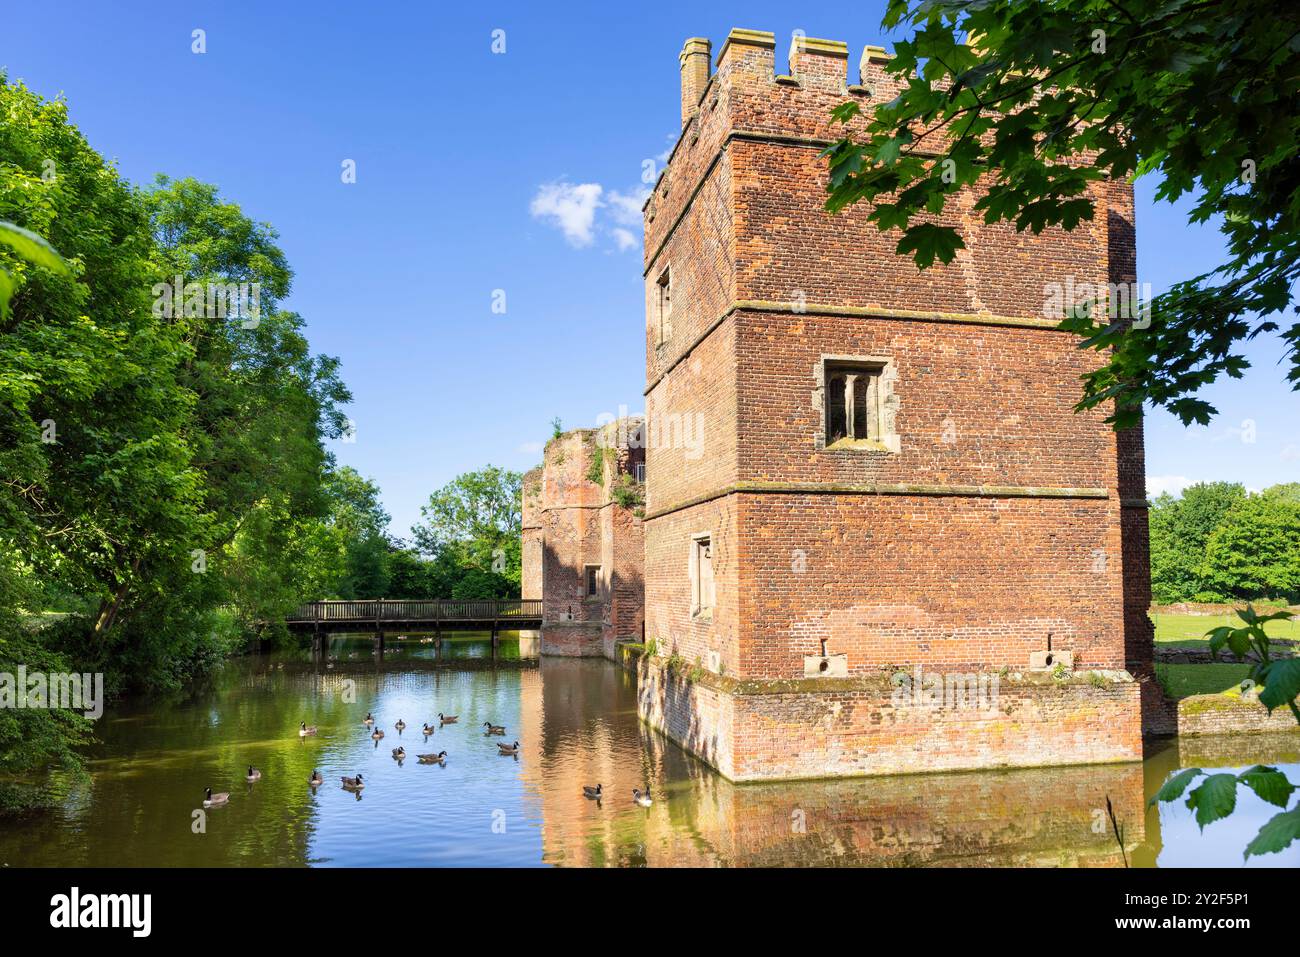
(1255, 552)
(157, 457)
(473, 523)
(411, 577)
(1180, 530)
(1051, 98)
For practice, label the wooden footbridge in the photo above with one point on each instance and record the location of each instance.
(395, 615)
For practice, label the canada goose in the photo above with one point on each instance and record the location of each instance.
(369, 719)
(316, 780)
(304, 730)
(211, 800)
(509, 748)
(253, 774)
(642, 799)
(432, 758)
(354, 784)
(377, 733)
(428, 730)
(447, 718)
(401, 725)
(399, 753)
(591, 792)
(494, 728)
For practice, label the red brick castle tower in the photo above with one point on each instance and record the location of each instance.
(889, 483)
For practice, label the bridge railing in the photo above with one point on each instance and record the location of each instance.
(399, 610)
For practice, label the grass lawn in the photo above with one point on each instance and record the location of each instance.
(1188, 631)
(1182, 681)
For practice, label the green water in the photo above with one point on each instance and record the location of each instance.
(576, 724)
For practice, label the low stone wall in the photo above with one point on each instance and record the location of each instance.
(1205, 608)
(1231, 713)
(1280, 648)
(752, 731)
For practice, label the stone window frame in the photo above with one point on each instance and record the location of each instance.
(886, 370)
(587, 581)
(698, 611)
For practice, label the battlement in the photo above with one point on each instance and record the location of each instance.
(811, 61)
(744, 92)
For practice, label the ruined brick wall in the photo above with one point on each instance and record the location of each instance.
(531, 530)
(580, 525)
(623, 555)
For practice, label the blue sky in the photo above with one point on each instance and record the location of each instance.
(477, 172)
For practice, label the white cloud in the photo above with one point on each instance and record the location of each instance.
(1173, 484)
(584, 212)
(572, 208)
(671, 139)
(625, 208)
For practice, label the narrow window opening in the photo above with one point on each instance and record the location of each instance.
(664, 306)
(702, 587)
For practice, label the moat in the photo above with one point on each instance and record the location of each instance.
(576, 723)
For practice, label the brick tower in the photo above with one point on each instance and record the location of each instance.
(890, 482)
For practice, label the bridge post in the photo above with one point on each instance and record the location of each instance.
(495, 640)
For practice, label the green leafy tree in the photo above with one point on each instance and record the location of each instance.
(161, 469)
(411, 577)
(1180, 531)
(1051, 98)
(473, 523)
(97, 474)
(1255, 551)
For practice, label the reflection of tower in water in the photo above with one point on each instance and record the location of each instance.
(586, 733)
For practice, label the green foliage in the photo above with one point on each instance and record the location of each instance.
(1255, 552)
(1053, 98)
(471, 530)
(1278, 681)
(596, 470)
(162, 474)
(1216, 797)
(35, 250)
(1217, 543)
(626, 493)
(557, 427)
